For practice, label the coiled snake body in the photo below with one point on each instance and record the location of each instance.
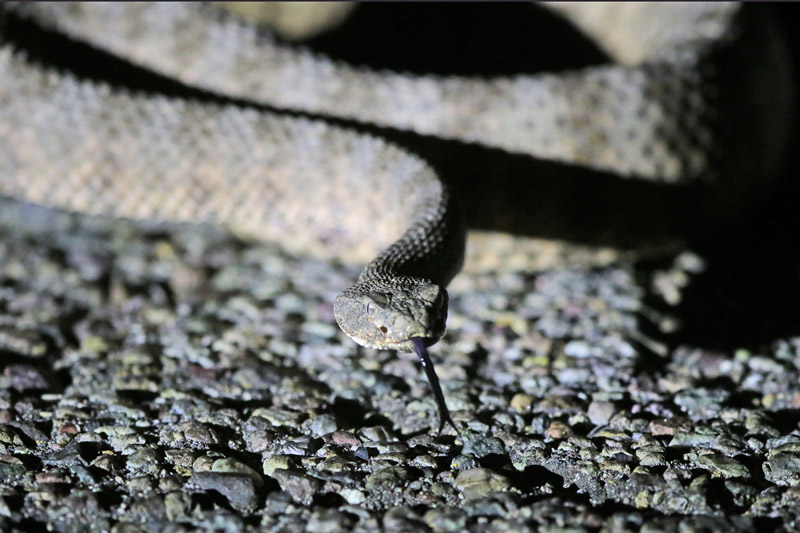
(686, 99)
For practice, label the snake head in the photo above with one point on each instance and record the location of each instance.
(385, 313)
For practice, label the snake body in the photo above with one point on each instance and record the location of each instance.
(683, 99)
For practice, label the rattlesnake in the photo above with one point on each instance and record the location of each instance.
(696, 92)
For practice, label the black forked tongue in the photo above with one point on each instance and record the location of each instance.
(433, 381)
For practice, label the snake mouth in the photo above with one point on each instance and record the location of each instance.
(427, 340)
(409, 344)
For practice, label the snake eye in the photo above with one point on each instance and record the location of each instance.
(384, 329)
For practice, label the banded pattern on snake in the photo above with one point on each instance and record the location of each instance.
(685, 100)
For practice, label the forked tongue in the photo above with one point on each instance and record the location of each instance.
(433, 381)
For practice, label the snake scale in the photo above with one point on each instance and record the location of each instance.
(694, 92)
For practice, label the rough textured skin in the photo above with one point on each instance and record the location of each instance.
(654, 116)
(174, 160)
(650, 118)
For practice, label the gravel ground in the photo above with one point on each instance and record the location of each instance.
(170, 379)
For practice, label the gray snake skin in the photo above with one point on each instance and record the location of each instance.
(686, 99)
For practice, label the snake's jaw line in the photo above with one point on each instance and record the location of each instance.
(386, 314)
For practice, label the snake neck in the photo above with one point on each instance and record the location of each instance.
(401, 294)
(432, 248)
